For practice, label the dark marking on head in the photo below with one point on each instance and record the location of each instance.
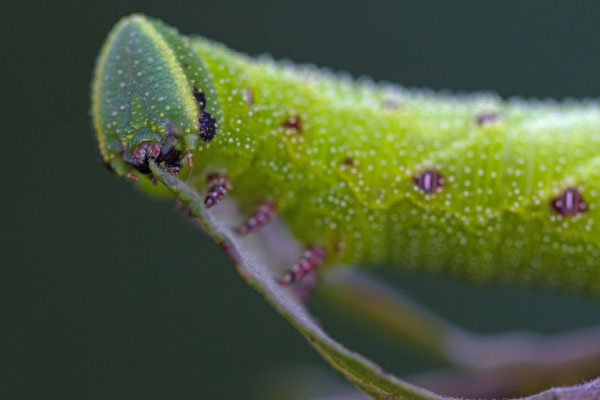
(206, 125)
(249, 96)
(293, 123)
(200, 98)
(486, 118)
(569, 202)
(172, 159)
(429, 181)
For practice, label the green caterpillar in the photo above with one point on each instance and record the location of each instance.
(361, 173)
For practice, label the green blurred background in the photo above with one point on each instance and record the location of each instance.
(106, 293)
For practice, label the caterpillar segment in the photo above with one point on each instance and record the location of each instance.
(470, 185)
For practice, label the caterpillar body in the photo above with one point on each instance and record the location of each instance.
(361, 173)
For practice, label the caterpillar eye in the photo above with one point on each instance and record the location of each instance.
(200, 98)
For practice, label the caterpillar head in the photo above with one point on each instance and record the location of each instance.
(152, 98)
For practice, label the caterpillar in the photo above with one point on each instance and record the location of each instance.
(361, 173)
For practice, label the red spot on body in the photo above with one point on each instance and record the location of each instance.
(349, 161)
(390, 105)
(429, 181)
(569, 203)
(487, 118)
(249, 96)
(294, 123)
(200, 98)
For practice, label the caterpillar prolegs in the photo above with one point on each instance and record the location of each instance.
(365, 173)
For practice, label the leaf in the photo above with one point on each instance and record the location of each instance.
(254, 264)
(259, 259)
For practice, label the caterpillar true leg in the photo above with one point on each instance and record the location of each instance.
(219, 185)
(264, 214)
(312, 258)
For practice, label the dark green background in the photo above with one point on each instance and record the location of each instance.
(105, 293)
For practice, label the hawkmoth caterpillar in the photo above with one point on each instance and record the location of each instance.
(361, 173)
